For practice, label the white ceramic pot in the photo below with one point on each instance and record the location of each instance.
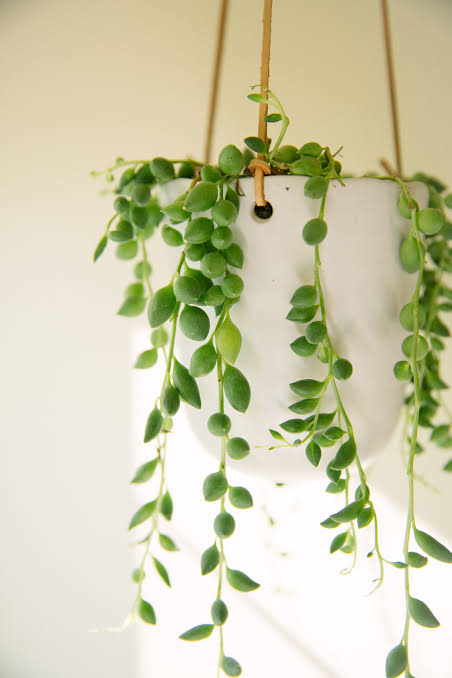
(365, 287)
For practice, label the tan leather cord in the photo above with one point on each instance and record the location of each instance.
(265, 72)
(392, 86)
(216, 79)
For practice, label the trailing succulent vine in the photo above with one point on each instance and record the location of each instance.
(197, 301)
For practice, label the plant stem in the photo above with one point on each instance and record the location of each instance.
(154, 521)
(410, 523)
(223, 470)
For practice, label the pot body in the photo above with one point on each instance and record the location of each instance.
(365, 288)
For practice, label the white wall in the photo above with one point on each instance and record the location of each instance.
(83, 82)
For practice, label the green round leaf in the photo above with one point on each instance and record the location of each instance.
(304, 406)
(409, 255)
(422, 614)
(313, 453)
(405, 206)
(132, 307)
(240, 497)
(314, 231)
(194, 252)
(100, 248)
(161, 306)
(159, 337)
(172, 237)
(256, 144)
(214, 486)
(170, 400)
(194, 323)
(143, 513)
(294, 425)
(307, 388)
(430, 220)
(224, 525)
(167, 543)
(153, 425)
(126, 177)
(234, 255)
(213, 265)
(316, 187)
(142, 270)
(345, 455)
(316, 332)
(273, 117)
(127, 250)
(121, 206)
(211, 173)
(402, 371)
(338, 542)
(198, 231)
(422, 347)
(230, 160)
(307, 166)
(201, 197)
(232, 286)
(302, 315)
(200, 632)
(162, 169)
(303, 347)
(236, 388)
(219, 612)
(210, 559)
(162, 571)
(432, 547)
(186, 385)
(396, 661)
(342, 369)
(407, 316)
(311, 148)
(141, 194)
(187, 289)
(416, 559)
(348, 513)
(134, 290)
(237, 448)
(214, 296)
(123, 232)
(286, 154)
(231, 667)
(240, 581)
(146, 612)
(166, 508)
(365, 517)
(203, 360)
(138, 575)
(224, 213)
(221, 237)
(146, 359)
(228, 340)
(138, 216)
(219, 424)
(145, 471)
(186, 170)
(305, 296)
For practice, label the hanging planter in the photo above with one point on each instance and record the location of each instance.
(299, 316)
(365, 226)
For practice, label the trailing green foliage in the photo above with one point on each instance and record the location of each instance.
(198, 302)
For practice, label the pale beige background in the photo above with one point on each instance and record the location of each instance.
(81, 83)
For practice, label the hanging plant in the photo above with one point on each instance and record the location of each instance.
(195, 306)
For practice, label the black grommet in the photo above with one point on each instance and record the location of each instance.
(263, 211)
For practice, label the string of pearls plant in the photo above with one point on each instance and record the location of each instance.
(206, 276)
